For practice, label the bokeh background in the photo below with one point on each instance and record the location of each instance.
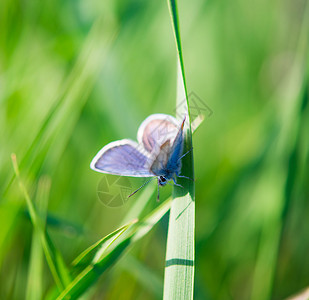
(75, 75)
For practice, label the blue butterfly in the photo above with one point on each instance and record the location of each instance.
(157, 154)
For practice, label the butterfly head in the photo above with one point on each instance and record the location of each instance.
(162, 180)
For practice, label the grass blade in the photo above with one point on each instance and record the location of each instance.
(34, 285)
(88, 256)
(179, 269)
(69, 101)
(53, 257)
(94, 270)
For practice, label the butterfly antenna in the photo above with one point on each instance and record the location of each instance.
(141, 186)
(158, 195)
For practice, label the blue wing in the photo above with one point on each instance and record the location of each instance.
(167, 162)
(174, 163)
(124, 158)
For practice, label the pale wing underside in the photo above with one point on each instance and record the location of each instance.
(168, 158)
(156, 130)
(160, 161)
(124, 157)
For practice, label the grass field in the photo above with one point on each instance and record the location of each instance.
(76, 75)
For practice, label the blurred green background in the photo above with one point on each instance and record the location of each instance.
(76, 75)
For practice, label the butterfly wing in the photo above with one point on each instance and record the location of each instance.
(160, 161)
(156, 130)
(174, 162)
(124, 158)
(162, 136)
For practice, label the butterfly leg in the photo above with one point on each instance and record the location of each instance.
(177, 183)
(182, 176)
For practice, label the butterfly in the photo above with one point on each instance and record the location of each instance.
(157, 154)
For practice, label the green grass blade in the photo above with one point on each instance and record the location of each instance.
(94, 270)
(179, 269)
(53, 257)
(175, 22)
(87, 256)
(34, 284)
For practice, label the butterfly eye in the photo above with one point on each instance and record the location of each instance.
(162, 179)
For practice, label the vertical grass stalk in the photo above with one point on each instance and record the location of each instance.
(179, 268)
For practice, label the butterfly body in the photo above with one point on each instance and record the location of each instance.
(157, 153)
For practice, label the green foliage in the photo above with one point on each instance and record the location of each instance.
(104, 257)
(35, 275)
(53, 256)
(75, 75)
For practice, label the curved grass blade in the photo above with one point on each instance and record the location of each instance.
(89, 255)
(179, 269)
(53, 256)
(88, 277)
